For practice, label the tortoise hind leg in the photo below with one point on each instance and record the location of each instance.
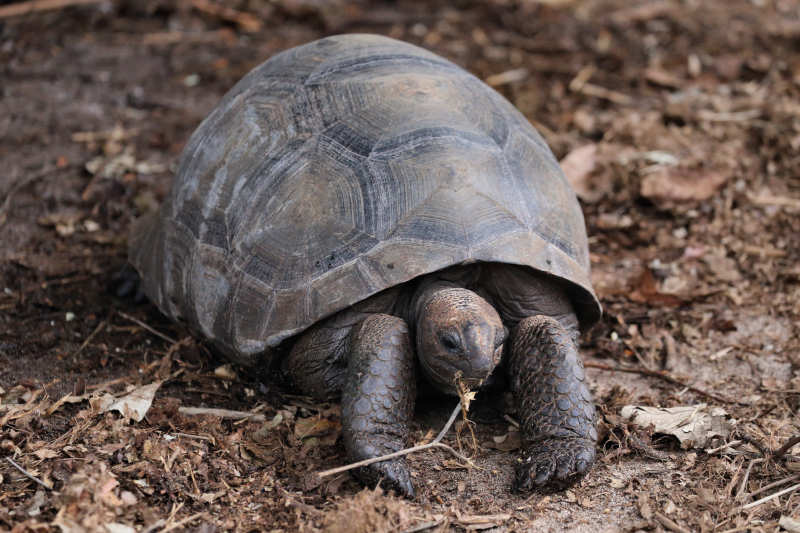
(126, 283)
(317, 362)
(378, 399)
(554, 403)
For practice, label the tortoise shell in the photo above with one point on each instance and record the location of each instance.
(341, 168)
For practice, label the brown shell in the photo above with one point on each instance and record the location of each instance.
(341, 168)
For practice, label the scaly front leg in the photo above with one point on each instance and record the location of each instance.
(378, 399)
(554, 404)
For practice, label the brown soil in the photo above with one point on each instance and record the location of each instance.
(680, 122)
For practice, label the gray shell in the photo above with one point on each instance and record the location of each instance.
(341, 168)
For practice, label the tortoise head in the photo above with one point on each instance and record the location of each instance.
(459, 334)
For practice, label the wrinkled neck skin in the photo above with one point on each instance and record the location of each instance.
(459, 335)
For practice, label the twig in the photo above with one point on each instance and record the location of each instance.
(27, 474)
(638, 13)
(172, 37)
(246, 21)
(770, 199)
(731, 444)
(449, 423)
(192, 436)
(509, 76)
(511, 421)
(738, 116)
(743, 486)
(221, 413)
(753, 442)
(6, 205)
(772, 485)
(770, 497)
(91, 336)
(183, 522)
(670, 524)
(423, 526)
(664, 376)
(434, 444)
(23, 8)
(148, 328)
(780, 452)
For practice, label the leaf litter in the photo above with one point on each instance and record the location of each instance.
(679, 127)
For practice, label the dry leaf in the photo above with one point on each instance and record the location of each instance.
(578, 166)
(647, 291)
(790, 524)
(46, 453)
(693, 425)
(119, 528)
(508, 442)
(136, 404)
(675, 184)
(316, 427)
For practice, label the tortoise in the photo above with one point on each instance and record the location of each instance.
(371, 213)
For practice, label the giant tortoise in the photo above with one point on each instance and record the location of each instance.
(374, 214)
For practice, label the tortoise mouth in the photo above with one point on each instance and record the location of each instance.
(445, 376)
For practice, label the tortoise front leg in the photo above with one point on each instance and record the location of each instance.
(554, 403)
(378, 399)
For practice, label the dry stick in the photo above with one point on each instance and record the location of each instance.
(777, 454)
(246, 21)
(770, 497)
(221, 413)
(90, 337)
(667, 523)
(6, 205)
(434, 444)
(27, 474)
(423, 526)
(511, 421)
(145, 326)
(23, 8)
(743, 486)
(662, 375)
(773, 485)
(763, 450)
(183, 522)
(731, 444)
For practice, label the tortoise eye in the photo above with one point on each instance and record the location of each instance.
(450, 342)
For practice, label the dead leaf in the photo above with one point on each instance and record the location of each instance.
(64, 221)
(790, 524)
(225, 372)
(119, 528)
(316, 427)
(669, 185)
(693, 425)
(508, 442)
(647, 291)
(578, 166)
(645, 509)
(135, 404)
(46, 453)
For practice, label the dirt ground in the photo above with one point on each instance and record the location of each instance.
(678, 123)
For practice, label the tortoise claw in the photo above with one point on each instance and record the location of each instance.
(392, 475)
(554, 464)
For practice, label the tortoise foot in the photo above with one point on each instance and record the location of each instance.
(554, 463)
(126, 283)
(392, 475)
